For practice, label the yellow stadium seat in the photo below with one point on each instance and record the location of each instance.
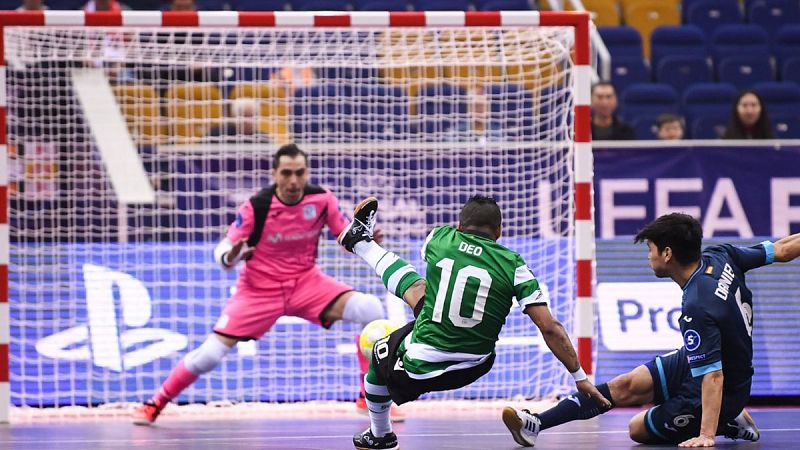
(605, 13)
(140, 106)
(192, 109)
(647, 15)
(625, 4)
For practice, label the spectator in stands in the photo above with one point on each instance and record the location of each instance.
(182, 5)
(32, 5)
(477, 125)
(670, 127)
(606, 126)
(243, 126)
(749, 119)
(104, 5)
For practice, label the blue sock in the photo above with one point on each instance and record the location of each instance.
(575, 407)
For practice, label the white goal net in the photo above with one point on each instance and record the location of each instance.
(107, 296)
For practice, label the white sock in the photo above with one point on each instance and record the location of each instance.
(370, 252)
(379, 418)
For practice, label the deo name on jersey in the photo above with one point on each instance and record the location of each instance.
(717, 320)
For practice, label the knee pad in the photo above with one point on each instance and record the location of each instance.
(205, 358)
(363, 308)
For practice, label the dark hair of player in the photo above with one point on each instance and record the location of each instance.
(680, 232)
(290, 150)
(480, 211)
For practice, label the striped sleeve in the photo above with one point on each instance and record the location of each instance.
(527, 289)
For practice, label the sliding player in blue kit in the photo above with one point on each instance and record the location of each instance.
(701, 389)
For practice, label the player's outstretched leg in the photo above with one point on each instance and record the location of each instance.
(397, 275)
(523, 425)
(197, 362)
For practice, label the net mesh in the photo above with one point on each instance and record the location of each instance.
(106, 297)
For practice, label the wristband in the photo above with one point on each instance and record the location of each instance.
(579, 375)
(224, 260)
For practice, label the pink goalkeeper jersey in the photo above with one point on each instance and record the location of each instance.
(288, 244)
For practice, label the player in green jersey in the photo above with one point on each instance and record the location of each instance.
(459, 309)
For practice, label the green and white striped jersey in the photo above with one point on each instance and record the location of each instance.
(471, 284)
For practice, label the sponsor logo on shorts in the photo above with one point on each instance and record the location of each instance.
(692, 340)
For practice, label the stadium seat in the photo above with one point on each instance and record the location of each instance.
(436, 107)
(322, 113)
(441, 5)
(682, 71)
(707, 99)
(383, 112)
(321, 5)
(273, 107)
(140, 106)
(622, 41)
(510, 109)
(745, 70)
(786, 126)
(773, 14)
(780, 97)
(791, 70)
(647, 15)
(786, 43)
(708, 15)
(259, 5)
(735, 40)
(685, 40)
(711, 126)
(648, 99)
(381, 5)
(502, 5)
(62, 4)
(211, 5)
(644, 127)
(604, 12)
(192, 109)
(9, 5)
(626, 71)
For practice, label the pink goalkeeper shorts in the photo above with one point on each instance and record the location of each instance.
(251, 312)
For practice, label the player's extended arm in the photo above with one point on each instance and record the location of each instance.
(227, 254)
(788, 248)
(712, 402)
(557, 339)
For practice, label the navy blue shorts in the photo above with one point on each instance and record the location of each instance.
(677, 395)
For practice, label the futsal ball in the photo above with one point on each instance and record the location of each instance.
(373, 331)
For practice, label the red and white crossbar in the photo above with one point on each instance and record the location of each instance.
(578, 20)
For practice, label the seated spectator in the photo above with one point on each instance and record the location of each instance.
(103, 5)
(182, 5)
(243, 125)
(32, 5)
(670, 127)
(606, 126)
(477, 126)
(749, 118)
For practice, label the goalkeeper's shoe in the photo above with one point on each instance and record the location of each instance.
(367, 441)
(148, 411)
(362, 226)
(523, 425)
(395, 415)
(743, 427)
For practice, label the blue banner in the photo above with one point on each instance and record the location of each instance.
(734, 191)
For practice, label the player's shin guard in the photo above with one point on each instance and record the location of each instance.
(379, 404)
(397, 275)
(575, 407)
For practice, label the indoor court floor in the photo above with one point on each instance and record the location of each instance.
(780, 428)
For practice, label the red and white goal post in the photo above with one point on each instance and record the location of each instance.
(113, 190)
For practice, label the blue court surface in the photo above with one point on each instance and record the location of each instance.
(780, 428)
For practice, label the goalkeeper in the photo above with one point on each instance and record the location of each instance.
(277, 233)
(459, 309)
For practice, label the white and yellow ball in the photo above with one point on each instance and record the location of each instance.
(373, 331)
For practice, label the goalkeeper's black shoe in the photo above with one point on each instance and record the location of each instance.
(362, 226)
(367, 441)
